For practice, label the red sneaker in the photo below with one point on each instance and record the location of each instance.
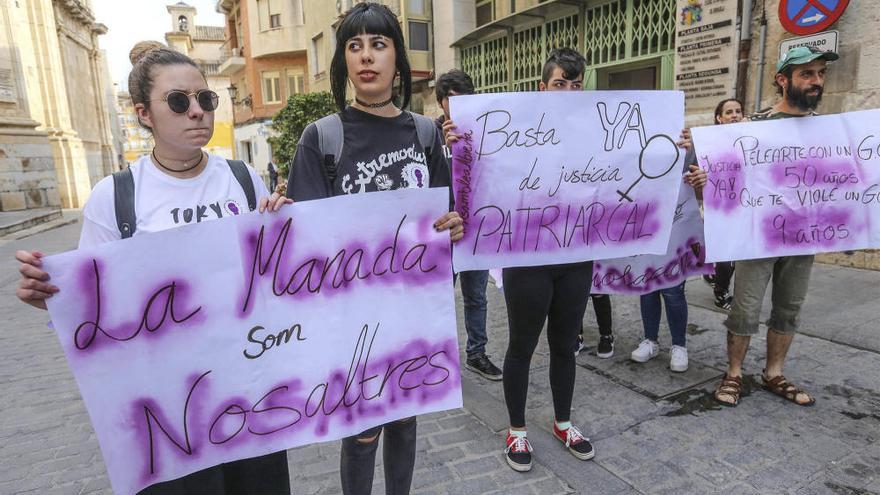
(575, 442)
(518, 453)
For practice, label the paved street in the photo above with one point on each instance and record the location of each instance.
(654, 431)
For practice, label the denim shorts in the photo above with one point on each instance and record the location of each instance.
(790, 276)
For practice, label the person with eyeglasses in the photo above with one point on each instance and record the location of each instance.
(178, 183)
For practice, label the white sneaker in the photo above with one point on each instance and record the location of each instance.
(646, 351)
(678, 360)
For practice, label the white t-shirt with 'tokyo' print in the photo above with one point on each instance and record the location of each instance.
(164, 202)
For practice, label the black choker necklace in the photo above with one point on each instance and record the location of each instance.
(156, 159)
(373, 105)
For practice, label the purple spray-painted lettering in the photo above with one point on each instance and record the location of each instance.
(689, 260)
(462, 171)
(160, 309)
(421, 372)
(398, 259)
(553, 228)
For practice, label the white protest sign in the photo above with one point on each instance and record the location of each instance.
(685, 257)
(559, 177)
(254, 334)
(791, 186)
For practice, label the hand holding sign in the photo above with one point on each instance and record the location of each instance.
(228, 340)
(791, 186)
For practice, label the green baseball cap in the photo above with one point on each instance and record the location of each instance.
(803, 55)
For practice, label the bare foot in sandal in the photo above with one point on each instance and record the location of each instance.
(780, 386)
(729, 391)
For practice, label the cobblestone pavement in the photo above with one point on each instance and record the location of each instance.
(654, 431)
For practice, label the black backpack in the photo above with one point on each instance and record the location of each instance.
(123, 195)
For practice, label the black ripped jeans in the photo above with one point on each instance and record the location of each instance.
(358, 460)
(557, 294)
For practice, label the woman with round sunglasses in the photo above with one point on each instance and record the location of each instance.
(370, 53)
(172, 100)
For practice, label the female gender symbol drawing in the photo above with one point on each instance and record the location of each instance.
(652, 167)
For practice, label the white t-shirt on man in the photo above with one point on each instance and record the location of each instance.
(164, 202)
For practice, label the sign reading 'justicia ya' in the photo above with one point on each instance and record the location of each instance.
(249, 335)
(791, 186)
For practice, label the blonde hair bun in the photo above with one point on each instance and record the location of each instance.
(142, 48)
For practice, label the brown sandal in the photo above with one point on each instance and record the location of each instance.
(780, 386)
(730, 386)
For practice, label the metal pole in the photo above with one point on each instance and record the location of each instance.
(746, 27)
(745, 49)
(761, 61)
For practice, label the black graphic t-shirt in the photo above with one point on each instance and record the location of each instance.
(378, 154)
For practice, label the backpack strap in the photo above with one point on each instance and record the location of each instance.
(330, 139)
(123, 202)
(427, 132)
(240, 171)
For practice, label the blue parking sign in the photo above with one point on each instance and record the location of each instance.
(810, 16)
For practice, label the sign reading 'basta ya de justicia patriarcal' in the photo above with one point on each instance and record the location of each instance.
(705, 55)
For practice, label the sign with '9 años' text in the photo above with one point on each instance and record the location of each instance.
(558, 177)
(249, 335)
(791, 186)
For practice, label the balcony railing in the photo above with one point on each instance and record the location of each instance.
(210, 68)
(231, 62)
(231, 52)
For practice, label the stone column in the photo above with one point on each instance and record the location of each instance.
(108, 152)
(71, 164)
(27, 173)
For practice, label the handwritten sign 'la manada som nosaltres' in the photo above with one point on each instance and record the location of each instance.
(558, 177)
(791, 186)
(249, 335)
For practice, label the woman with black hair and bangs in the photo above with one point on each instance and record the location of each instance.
(370, 54)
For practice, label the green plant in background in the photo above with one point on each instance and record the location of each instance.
(290, 121)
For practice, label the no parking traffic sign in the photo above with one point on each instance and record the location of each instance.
(810, 16)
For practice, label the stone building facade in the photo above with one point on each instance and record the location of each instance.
(53, 87)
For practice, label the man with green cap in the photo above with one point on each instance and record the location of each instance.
(800, 80)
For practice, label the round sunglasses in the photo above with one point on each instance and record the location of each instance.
(178, 101)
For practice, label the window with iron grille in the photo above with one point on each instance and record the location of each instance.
(615, 32)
